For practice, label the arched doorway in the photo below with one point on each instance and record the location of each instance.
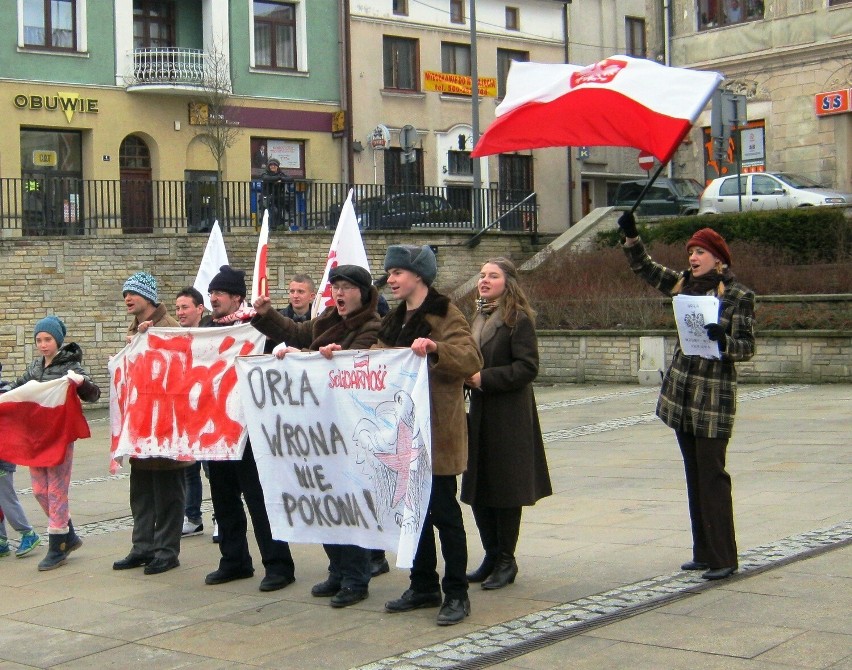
(136, 189)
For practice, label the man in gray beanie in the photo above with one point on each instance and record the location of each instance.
(157, 485)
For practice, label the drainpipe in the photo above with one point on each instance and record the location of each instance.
(347, 94)
(570, 172)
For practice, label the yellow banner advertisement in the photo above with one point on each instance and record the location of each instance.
(458, 84)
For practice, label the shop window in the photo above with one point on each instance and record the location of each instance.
(512, 18)
(504, 62)
(50, 24)
(401, 69)
(455, 58)
(634, 32)
(153, 24)
(716, 13)
(400, 7)
(457, 11)
(275, 35)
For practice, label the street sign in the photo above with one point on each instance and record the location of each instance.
(380, 137)
(646, 161)
(408, 137)
(583, 153)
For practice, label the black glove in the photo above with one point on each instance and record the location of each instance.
(715, 332)
(627, 223)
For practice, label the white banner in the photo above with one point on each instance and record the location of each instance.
(173, 393)
(342, 446)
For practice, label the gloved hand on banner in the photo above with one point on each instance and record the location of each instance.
(627, 223)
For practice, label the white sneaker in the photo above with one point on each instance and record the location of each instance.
(191, 528)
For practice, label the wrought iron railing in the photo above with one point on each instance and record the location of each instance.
(36, 206)
(168, 65)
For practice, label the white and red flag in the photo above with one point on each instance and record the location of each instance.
(260, 276)
(39, 420)
(620, 101)
(215, 256)
(347, 248)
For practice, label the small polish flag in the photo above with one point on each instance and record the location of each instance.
(39, 420)
(620, 101)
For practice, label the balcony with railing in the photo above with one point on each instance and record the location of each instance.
(39, 206)
(158, 67)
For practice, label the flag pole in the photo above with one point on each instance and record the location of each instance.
(647, 186)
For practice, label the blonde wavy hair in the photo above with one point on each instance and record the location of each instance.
(514, 300)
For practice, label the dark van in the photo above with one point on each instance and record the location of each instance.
(666, 197)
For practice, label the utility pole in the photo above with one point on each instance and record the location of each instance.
(474, 121)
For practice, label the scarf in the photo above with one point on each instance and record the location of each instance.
(706, 283)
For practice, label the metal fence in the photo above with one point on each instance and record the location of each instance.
(72, 206)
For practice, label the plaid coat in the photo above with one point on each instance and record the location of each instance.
(699, 396)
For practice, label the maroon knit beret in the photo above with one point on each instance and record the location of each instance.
(709, 240)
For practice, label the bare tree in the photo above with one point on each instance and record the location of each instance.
(215, 115)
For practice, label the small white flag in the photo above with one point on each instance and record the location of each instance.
(347, 248)
(214, 257)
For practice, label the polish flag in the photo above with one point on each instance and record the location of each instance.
(260, 276)
(215, 256)
(620, 101)
(39, 420)
(347, 248)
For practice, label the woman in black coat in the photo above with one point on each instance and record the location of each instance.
(506, 468)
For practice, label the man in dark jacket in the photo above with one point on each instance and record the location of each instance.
(275, 188)
(231, 479)
(351, 323)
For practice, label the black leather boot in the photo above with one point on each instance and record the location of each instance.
(504, 573)
(483, 571)
(57, 552)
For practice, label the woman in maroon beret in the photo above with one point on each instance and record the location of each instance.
(698, 398)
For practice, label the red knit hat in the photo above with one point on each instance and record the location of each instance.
(709, 240)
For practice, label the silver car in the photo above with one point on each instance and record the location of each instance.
(767, 190)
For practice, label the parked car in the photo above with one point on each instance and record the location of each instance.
(398, 211)
(666, 197)
(767, 190)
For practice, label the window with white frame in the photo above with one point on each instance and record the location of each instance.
(400, 7)
(276, 31)
(51, 24)
(634, 30)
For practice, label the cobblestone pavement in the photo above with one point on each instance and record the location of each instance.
(596, 587)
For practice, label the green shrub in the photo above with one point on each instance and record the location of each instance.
(810, 234)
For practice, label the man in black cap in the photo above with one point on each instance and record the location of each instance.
(350, 323)
(231, 479)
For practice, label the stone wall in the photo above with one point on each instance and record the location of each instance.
(613, 356)
(80, 279)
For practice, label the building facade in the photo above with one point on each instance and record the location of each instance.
(791, 61)
(130, 93)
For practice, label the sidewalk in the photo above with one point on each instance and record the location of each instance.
(599, 585)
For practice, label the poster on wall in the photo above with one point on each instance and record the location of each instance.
(748, 141)
(290, 154)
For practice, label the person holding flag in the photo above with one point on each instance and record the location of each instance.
(50, 484)
(698, 398)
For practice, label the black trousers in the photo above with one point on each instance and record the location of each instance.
(499, 528)
(157, 499)
(711, 508)
(228, 481)
(444, 513)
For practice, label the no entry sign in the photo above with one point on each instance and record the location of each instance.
(646, 161)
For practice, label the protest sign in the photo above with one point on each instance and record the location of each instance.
(692, 313)
(342, 446)
(173, 393)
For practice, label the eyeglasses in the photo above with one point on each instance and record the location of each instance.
(219, 294)
(344, 287)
